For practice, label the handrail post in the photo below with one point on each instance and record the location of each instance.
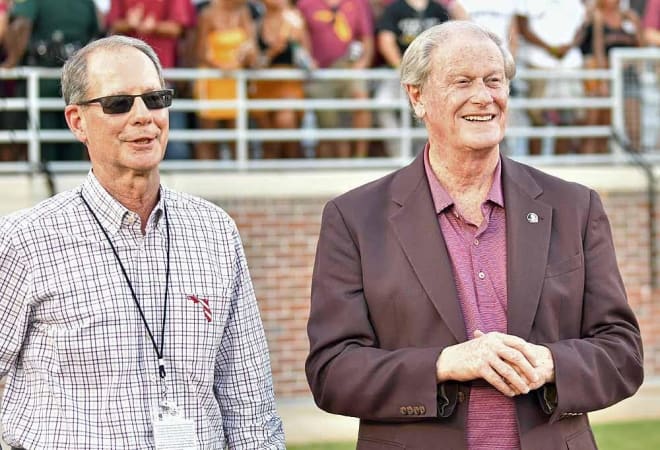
(242, 121)
(33, 124)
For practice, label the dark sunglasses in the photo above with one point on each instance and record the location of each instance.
(120, 104)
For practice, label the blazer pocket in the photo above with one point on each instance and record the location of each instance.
(564, 266)
(583, 440)
(377, 444)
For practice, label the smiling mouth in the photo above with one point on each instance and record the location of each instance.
(479, 118)
(143, 141)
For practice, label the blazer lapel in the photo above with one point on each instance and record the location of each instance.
(528, 227)
(416, 227)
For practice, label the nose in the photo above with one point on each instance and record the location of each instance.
(140, 112)
(481, 94)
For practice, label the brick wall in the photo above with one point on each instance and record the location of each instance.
(280, 238)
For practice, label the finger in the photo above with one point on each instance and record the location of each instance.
(494, 379)
(513, 357)
(510, 376)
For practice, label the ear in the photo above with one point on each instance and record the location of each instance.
(415, 97)
(76, 122)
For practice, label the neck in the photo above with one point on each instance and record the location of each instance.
(138, 193)
(464, 173)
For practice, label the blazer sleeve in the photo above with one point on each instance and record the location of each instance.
(348, 372)
(604, 365)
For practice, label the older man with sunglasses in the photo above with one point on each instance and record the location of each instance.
(127, 314)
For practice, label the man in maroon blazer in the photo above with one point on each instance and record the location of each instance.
(468, 301)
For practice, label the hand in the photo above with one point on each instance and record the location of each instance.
(134, 17)
(148, 25)
(541, 358)
(500, 359)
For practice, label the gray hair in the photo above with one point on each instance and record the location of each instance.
(75, 80)
(415, 67)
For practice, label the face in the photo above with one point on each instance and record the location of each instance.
(464, 101)
(130, 143)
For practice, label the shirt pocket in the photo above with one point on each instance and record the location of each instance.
(196, 326)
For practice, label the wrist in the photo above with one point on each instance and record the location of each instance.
(441, 372)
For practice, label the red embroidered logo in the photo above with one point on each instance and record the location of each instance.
(205, 305)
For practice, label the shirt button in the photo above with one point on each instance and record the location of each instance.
(481, 275)
(476, 242)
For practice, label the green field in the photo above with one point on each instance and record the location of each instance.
(639, 435)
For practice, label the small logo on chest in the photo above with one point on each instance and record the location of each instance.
(204, 302)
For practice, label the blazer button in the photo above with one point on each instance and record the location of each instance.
(461, 397)
(403, 411)
(410, 410)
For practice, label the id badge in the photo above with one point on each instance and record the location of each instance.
(172, 431)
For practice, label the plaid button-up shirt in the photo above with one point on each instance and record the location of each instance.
(83, 373)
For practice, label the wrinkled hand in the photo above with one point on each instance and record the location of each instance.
(508, 363)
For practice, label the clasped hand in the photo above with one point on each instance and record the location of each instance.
(510, 364)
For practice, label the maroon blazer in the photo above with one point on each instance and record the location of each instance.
(384, 305)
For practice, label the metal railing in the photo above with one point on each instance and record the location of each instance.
(245, 137)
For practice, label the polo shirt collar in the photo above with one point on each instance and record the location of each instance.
(441, 198)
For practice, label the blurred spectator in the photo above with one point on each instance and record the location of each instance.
(341, 33)
(8, 151)
(226, 41)
(652, 23)
(283, 43)
(44, 33)
(401, 22)
(4, 18)
(611, 26)
(102, 8)
(456, 9)
(160, 24)
(497, 17)
(500, 18)
(636, 5)
(552, 32)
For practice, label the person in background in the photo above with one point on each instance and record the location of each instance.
(128, 317)
(161, 24)
(342, 37)
(43, 33)
(398, 25)
(651, 23)
(283, 44)
(102, 8)
(611, 26)
(4, 18)
(225, 40)
(8, 151)
(501, 18)
(552, 30)
(468, 301)
(636, 5)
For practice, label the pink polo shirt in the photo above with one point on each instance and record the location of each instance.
(478, 258)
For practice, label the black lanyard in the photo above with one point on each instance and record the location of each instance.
(159, 352)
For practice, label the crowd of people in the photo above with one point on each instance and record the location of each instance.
(311, 34)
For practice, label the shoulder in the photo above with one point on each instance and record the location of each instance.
(49, 214)
(373, 198)
(552, 189)
(195, 209)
